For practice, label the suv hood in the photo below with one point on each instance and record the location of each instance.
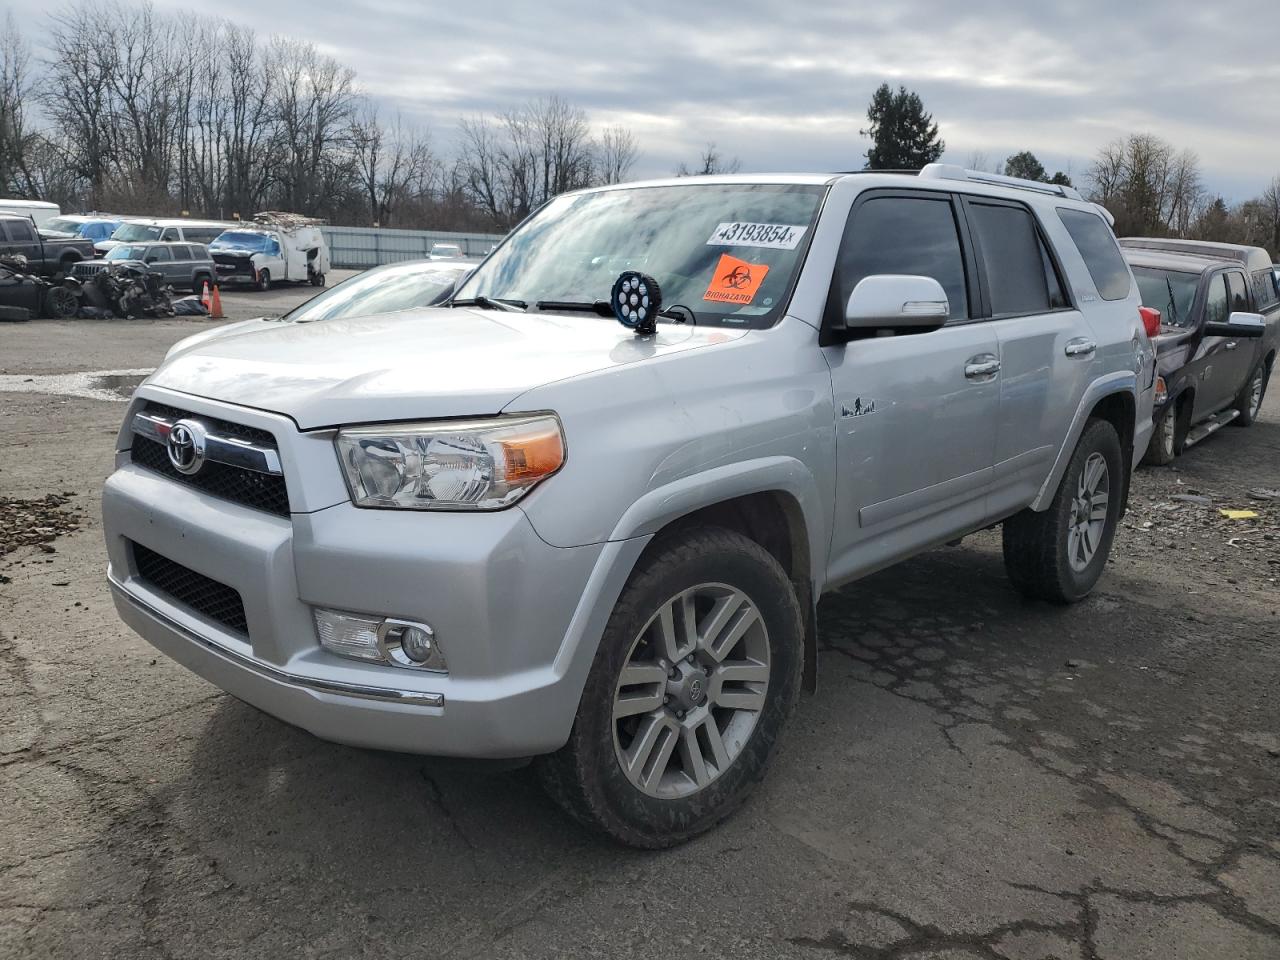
(416, 364)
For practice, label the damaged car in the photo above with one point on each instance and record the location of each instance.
(275, 247)
(28, 296)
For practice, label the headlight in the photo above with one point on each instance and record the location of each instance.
(450, 465)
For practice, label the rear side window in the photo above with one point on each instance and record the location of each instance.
(905, 235)
(1215, 305)
(182, 253)
(157, 254)
(1264, 289)
(19, 231)
(1097, 246)
(1020, 274)
(203, 234)
(1238, 292)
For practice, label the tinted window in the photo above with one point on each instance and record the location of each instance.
(19, 231)
(1020, 275)
(1172, 292)
(198, 252)
(158, 254)
(1238, 292)
(203, 234)
(170, 233)
(1097, 246)
(905, 235)
(1215, 308)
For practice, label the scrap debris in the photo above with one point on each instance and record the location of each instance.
(37, 522)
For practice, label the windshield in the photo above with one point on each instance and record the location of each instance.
(125, 253)
(236, 240)
(62, 225)
(1172, 292)
(135, 232)
(398, 286)
(728, 252)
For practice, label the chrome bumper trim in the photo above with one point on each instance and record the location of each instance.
(386, 694)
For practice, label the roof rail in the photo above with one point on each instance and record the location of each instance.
(951, 171)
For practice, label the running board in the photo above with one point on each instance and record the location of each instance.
(1212, 425)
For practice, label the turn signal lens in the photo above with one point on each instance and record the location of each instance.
(1162, 391)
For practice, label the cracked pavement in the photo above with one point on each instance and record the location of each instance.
(978, 776)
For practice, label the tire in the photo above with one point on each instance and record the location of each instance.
(264, 281)
(317, 279)
(1249, 402)
(1166, 438)
(14, 314)
(1037, 546)
(197, 285)
(683, 796)
(61, 303)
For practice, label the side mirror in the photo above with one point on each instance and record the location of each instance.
(896, 302)
(1239, 324)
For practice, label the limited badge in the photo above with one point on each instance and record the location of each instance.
(735, 281)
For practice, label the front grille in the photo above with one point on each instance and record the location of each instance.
(87, 269)
(205, 596)
(261, 491)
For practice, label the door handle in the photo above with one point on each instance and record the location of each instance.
(1080, 347)
(1231, 344)
(982, 367)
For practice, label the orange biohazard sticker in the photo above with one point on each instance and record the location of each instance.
(735, 281)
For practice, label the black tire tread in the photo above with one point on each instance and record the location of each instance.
(563, 774)
(1032, 540)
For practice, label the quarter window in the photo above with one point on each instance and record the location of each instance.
(1097, 246)
(1020, 274)
(905, 235)
(1238, 292)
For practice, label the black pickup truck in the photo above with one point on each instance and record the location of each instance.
(19, 237)
(1219, 310)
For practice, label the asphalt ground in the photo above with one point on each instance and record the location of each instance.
(977, 775)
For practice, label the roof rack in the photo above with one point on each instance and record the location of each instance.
(950, 171)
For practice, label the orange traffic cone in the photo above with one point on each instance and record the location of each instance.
(204, 295)
(215, 310)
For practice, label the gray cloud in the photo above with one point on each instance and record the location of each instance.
(785, 85)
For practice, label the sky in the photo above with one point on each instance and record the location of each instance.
(785, 85)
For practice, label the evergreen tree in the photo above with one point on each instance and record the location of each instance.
(1061, 179)
(1026, 166)
(903, 136)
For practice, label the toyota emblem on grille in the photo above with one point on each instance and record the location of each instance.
(186, 446)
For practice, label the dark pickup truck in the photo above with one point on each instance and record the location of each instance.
(1219, 312)
(19, 237)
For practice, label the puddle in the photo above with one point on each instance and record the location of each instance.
(113, 386)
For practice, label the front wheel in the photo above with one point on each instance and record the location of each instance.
(697, 670)
(317, 279)
(1059, 554)
(264, 280)
(1249, 402)
(61, 303)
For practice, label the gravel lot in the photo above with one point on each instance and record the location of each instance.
(977, 775)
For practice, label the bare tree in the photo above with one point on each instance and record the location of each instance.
(394, 163)
(1150, 187)
(15, 90)
(616, 153)
(710, 162)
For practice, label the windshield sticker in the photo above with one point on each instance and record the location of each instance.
(735, 281)
(775, 236)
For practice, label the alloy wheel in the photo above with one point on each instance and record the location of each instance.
(1088, 512)
(1255, 392)
(691, 690)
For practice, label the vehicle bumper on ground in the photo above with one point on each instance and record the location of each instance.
(508, 609)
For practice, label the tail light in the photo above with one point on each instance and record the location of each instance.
(1150, 320)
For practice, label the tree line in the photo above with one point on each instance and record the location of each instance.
(141, 112)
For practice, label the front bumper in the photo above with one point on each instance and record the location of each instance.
(518, 619)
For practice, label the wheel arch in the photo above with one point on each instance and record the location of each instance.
(1112, 398)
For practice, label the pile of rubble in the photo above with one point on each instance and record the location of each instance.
(38, 522)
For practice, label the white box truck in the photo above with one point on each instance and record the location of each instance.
(275, 247)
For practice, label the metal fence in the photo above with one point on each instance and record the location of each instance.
(354, 248)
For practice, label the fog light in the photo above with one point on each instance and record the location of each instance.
(405, 643)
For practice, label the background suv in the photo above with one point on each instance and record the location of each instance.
(185, 266)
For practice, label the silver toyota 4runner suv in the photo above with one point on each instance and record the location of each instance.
(514, 526)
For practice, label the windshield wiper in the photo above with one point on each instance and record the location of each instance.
(490, 303)
(605, 309)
